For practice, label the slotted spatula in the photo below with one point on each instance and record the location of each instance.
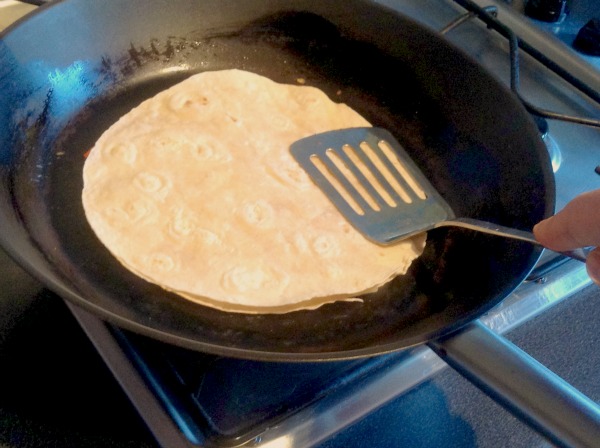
(374, 183)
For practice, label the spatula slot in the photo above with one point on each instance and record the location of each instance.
(369, 176)
(336, 184)
(351, 174)
(401, 169)
(383, 170)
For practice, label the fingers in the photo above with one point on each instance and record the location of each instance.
(593, 265)
(577, 225)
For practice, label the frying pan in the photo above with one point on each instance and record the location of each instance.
(72, 68)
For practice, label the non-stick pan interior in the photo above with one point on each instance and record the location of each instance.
(467, 133)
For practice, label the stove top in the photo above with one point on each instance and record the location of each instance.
(193, 399)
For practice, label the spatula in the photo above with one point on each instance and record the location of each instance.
(374, 183)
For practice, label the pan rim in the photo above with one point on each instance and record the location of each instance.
(246, 353)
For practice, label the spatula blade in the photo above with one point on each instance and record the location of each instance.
(372, 181)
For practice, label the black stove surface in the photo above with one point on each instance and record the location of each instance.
(229, 401)
(55, 390)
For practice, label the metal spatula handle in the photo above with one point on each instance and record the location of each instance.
(508, 232)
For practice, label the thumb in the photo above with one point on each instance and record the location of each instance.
(577, 225)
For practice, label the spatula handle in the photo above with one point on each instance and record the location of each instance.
(508, 232)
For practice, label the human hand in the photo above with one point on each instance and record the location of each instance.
(576, 226)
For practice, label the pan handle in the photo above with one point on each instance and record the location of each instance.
(522, 385)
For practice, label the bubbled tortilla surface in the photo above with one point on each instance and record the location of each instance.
(195, 190)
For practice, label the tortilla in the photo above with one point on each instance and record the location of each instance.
(195, 190)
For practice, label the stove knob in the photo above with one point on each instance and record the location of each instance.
(546, 10)
(588, 38)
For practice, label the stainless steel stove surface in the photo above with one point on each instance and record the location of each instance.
(408, 398)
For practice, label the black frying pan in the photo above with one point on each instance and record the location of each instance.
(70, 70)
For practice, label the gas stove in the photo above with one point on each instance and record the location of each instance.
(192, 399)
